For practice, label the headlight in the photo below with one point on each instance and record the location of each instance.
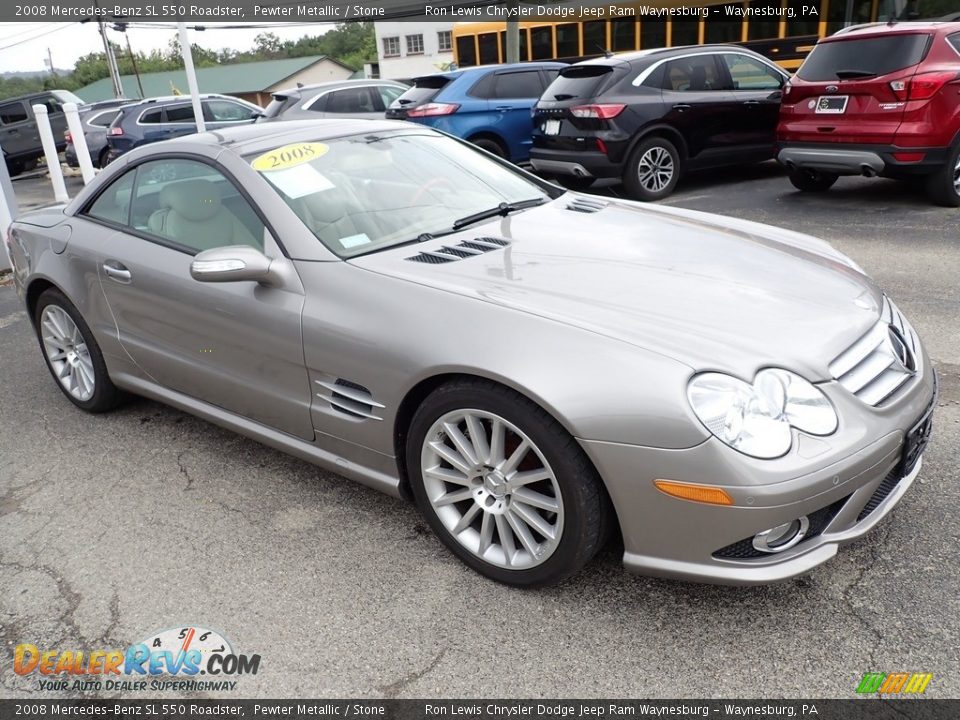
(756, 419)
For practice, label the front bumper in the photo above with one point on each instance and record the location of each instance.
(843, 499)
(585, 164)
(869, 160)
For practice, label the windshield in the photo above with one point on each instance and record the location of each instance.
(371, 192)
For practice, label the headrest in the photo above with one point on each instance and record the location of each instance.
(195, 200)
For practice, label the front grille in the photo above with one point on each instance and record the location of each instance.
(819, 519)
(882, 361)
(886, 487)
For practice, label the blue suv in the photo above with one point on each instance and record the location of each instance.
(162, 118)
(489, 106)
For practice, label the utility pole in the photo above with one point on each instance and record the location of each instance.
(513, 33)
(111, 60)
(122, 27)
(53, 72)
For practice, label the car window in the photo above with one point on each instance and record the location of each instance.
(113, 204)
(12, 113)
(151, 117)
(749, 73)
(52, 104)
(692, 74)
(365, 193)
(869, 55)
(578, 81)
(518, 85)
(104, 118)
(955, 41)
(226, 111)
(389, 93)
(193, 206)
(180, 114)
(350, 100)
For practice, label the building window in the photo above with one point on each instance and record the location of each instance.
(445, 41)
(415, 44)
(391, 46)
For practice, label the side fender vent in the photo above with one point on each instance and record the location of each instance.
(465, 249)
(586, 205)
(350, 398)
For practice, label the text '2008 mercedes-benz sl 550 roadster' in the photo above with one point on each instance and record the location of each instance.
(539, 370)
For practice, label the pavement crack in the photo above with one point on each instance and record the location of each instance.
(856, 611)
(185, 472)
(394, 688)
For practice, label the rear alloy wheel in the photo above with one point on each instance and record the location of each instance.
(943, 186)
(72, 355)
(653, 170)
(812, 180)
(104, 158)
(503, 485)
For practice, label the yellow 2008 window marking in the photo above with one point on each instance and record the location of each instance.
(289, 156)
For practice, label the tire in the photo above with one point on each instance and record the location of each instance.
(572, 182)
(556, 536)
(14, 167)
(29, 165)
(103, 159)
(652, 170)
(491, 146)
(69, 349)
(812, 180)
(943, 186)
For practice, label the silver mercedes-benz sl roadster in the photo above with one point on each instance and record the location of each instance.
(538, 370)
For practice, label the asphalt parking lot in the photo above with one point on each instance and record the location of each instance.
(120, 525)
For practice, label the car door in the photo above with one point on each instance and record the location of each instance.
(58, 120)
(18, 133)
(236, 345)
(514, 92)
(699, 106)
(178, 120)
(757, 89)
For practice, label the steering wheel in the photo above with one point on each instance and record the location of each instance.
(428, 185)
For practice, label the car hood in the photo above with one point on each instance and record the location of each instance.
(706, 290)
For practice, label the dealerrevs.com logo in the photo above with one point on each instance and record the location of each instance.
(901, 683)
(169, 660)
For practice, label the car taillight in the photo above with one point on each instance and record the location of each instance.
(433, 109)
(67, 136)
(116, 131)
(922, 86)
(597, 112)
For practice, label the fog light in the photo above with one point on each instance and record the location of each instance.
(782, 537)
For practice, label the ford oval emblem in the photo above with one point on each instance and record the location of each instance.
(832, 88)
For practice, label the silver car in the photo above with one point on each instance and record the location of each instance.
(337, 100)
(538, 370)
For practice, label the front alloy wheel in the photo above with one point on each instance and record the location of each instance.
(503, 485)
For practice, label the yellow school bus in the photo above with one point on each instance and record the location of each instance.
(765, 26)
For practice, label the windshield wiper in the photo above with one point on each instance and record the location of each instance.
(850, 74)
(503, 208)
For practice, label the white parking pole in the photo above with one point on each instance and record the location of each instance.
(79, 141)
(8, 211)
(50, 150)
(191, 76)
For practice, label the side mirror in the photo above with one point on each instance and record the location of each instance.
(233, 263)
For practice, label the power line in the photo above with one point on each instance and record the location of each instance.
(36, 37)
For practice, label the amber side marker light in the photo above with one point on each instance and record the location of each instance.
(696, 493)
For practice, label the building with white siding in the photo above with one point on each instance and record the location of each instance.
(410, 49)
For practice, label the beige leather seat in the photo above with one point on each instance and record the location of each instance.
(335, 213)
(191, 213)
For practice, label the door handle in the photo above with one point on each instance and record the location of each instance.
(681, 107)
(751, 102)
(116, 271)
(502, 108)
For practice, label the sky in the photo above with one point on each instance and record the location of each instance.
(23, 46)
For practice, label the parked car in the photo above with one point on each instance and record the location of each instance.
(337, 99)
(95, 119)
(875, 100)
(162, 118)
(489, 106)
(537, 369)
(19, 135)
(648, 117)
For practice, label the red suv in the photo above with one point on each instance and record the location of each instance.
(877, 100)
